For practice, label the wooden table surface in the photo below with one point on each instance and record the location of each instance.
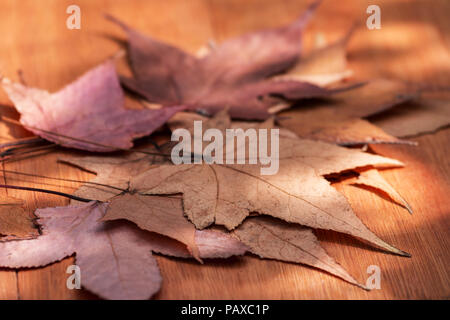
(412, 45)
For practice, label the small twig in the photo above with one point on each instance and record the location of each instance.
(22, 141)
(18, 158)
(62, 179)
(10, 152)
(62, 194)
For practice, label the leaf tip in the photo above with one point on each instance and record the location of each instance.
(402, 253)
(408, 207)
(363, 287)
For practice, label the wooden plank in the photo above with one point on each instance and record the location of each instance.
(412, 45)
(8, 285)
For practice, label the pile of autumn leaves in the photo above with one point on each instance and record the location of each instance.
(140, 203)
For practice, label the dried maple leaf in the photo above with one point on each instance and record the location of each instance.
(118, 266)
(162, 215)
(227, 194)
(262, 235)
(273, 239)
(322, 66)
(338, 120)
(112, 171)
(369, 178)
(87, 114)
(425, 115)
(234, 74)
(215, 244)
(185, 120)
(211, 244)
(372, 179)
(15, 222)
(114, 258)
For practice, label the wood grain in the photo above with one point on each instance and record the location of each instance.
(412, 45)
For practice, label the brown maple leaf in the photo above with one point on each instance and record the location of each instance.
(265, 237)
(163, 215)
(372, 179)
(425, 115)
(226, 194)
(114, 257)
(338, 120)
(234, 74)
(113, 173)
(87, 114)
(152, 213)
(273, 239)
(212, 244)
(324, 65)
(15, 222)
(368, 178)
